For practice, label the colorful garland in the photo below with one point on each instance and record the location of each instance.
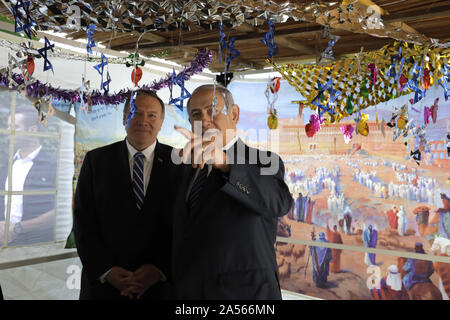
(38, 89)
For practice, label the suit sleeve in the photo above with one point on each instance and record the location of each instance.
(265, 194)
(93, 254)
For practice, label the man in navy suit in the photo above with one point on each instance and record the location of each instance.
(225, 217)
(121, 223)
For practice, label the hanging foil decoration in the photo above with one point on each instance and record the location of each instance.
(43, 52)
(268, 40)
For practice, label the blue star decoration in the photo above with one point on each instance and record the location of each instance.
(334, 94)
(178, 102)
(443, 82)
(100, 68)
(105, 85)
(90, 32)
(43, 53)
(133, 109)
(328, 53)
(413, 83)
(227, 45)
(394, 59)
(268, 40)
(18, 25)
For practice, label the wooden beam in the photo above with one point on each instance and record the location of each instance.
(295, 45)
(435, 12)
(248, 63)
(214, 41)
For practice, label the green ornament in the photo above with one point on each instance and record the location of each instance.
(364, 90)
(349, 107)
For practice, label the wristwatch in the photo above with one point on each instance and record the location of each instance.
(18, 228)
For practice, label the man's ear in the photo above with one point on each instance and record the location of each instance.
(235, 111)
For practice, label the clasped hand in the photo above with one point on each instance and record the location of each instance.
(133, 284)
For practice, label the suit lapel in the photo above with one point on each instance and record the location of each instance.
(125, 175)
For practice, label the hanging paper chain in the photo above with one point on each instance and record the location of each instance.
(39, 89)
(268, 40)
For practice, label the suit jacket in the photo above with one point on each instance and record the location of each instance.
(110, 231)
(224, 247)
(42, 176)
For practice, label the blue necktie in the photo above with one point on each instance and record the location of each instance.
(197, 187)
(138, 179)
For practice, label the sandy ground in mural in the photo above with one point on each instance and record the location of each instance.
(326, 179)
(295, 266)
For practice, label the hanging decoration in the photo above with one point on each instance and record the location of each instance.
(347, 78)
(272, 120)
(18, 25)
(426, 80)
(268, 40)
(90, 33)
(443, 82)
(13, 63)
(333, 95)
(224, 45)
(394, 59)
(413, 83)
(135, 60)
(273, 86)
(136, 75)
(100, 68)
(362, 127)
(347, 130)
(43, 52)
(431, 112)
(133, 109)
(178, 102)
(38, 89)
(419, 145)
(373, 73)
(314, 125)
(328, 52)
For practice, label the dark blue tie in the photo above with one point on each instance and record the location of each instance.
(138, 179)
(197, 187)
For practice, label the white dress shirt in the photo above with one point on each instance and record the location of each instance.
(20, 169)
(149, 154)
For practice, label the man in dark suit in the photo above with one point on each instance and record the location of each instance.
(121, 224)
(31, 217)
(225, 220)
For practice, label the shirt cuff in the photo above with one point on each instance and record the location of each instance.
(103, 276)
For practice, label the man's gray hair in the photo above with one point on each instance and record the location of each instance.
(226, 94)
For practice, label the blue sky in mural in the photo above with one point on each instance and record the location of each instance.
(105, 122)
